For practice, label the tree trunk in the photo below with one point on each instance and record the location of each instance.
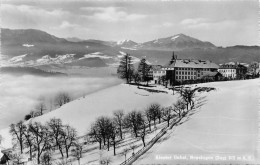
(30, 151)
(168, 123)
(108, 144)
(150, 125)
(100, 144)
(21, 145)
(61, 151)
(67, 152)
(143, 141)
(121, 133)
(114, 148)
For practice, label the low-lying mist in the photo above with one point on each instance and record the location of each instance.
(19, 95)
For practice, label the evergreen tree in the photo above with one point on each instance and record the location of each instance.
(125, 68)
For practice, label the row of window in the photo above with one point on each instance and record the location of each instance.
(185, 73)
(205, 69)
(227, 70)
(185, 77)
(159, 71)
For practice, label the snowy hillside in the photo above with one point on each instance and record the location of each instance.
(226, 125)
(79, 113)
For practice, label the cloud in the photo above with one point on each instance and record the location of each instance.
(112, 14)
(66, 24)
(26, 16)
(195, 23)
(19, 95)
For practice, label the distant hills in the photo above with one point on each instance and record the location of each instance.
(18, 71)
(33, 47)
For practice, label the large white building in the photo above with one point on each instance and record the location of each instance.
(157, 73)
(188, 69)
(228, 70)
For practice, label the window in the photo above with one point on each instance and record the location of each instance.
(182, 77)
(182, 72)
(185, 77)
(188, 77)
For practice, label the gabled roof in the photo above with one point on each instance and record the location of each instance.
(191, 63)
(209, 74)
(156, 67)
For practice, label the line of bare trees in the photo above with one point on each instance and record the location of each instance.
(109, 131)
(41, 107)
(38, 140)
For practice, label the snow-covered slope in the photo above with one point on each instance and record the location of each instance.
(83, 111)
(225, 126)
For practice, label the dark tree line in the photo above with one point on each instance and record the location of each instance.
(127, 71)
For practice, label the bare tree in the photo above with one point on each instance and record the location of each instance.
(142, 130)
(17, 131)
(62, 98)
(155, 111)
(28, 141)
(95, 135)
(102, 124)
(125, 151)
(179, 108)
(114, 134)
(167, 114)
(56, 131)
(69, 136)
(133, 147)
(77, 151)
(41, 140)
(188, 95)
(119, 117)
(40, 107)
(133, 121)
(148, 116)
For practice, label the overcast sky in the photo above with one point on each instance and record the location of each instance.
(224, 23)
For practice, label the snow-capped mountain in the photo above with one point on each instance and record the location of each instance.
(176, 42)
(34, 47)
(126, 43)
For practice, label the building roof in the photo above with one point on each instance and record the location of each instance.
(156, 67)
(191, 63)
(209, 74)
(227, 66)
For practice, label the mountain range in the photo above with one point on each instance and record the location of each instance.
(36, 47)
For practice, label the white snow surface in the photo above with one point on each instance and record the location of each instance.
(122, 42)
(57, 60)
(226, 125)
(96, 54)
(174, 37)
(128, 48)
(82, 112)
(17, 58)
(28, 45)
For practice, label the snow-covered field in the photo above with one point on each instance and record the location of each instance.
(224, 128)
(226, 125)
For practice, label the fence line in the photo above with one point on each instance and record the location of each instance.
(133, 158)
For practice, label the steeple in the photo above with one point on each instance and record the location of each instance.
(174, 58)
